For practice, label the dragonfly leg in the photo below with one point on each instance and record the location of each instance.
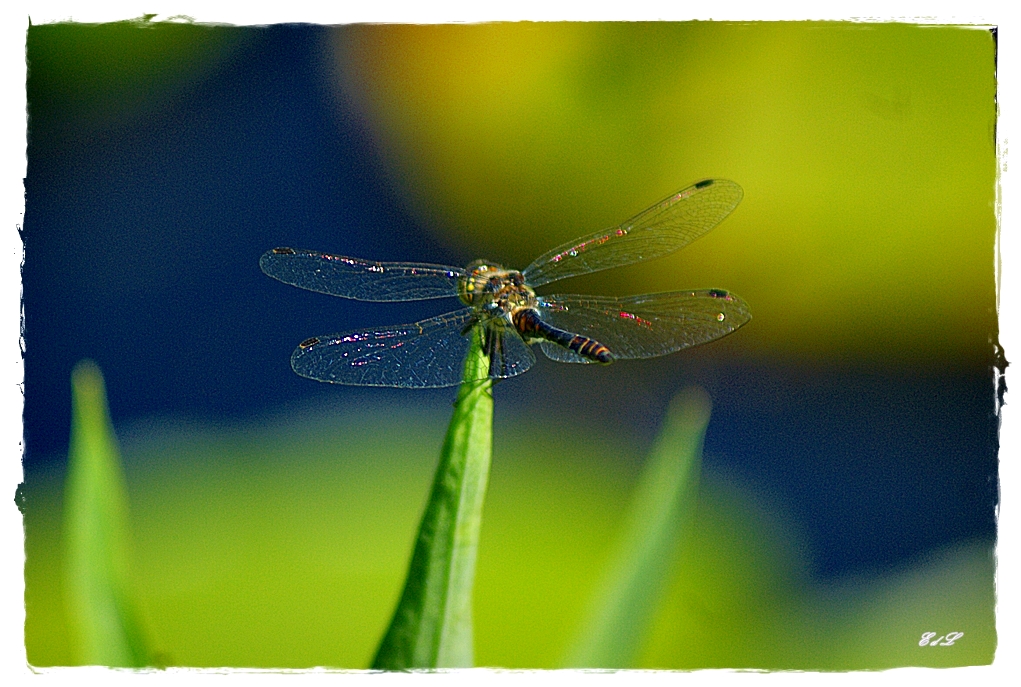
(468, 327)
(494, 349)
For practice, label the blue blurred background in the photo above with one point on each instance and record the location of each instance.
(163, 161)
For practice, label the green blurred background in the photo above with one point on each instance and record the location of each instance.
(272, 518)
(866, 152)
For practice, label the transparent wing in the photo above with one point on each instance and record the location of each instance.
(363, 280)
(643, 326)
(509, 355)
(426, 354)
(665, 227)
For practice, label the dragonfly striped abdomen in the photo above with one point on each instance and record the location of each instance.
(533, 329)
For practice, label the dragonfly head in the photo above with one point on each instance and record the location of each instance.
(494, 290)
(482, 281)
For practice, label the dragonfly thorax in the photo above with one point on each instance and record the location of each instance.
(495, 291)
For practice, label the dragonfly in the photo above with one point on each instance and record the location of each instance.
(568, 328)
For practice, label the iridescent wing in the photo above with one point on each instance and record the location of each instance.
(665, 227)
(643, 326)
(364, 280)
(426, 354)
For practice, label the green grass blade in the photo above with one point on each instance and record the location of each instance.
(95, 535)
(660, 513)
(432, 626)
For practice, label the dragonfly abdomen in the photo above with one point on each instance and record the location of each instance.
(531, 326)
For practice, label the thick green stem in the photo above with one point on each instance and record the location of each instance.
(432, 625)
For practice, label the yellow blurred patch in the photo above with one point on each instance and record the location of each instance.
(865, 152)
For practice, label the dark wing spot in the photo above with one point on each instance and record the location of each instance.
(284, 251)
(718, 293)
(704, 183)
(308, 343)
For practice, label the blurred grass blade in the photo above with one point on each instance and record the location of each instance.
(432, 626)
(660, 512)
(95, 537)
